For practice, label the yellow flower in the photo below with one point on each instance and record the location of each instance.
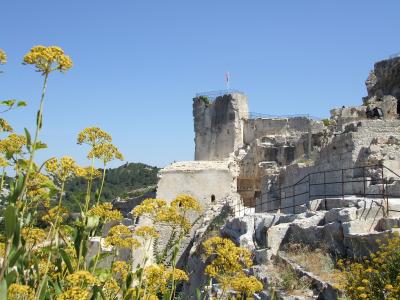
(226, 258)
(3, 162)
(33, 236)
(121, 268)
(146, 232)
(148, 206)
(80, 278)
(63, 169)
(246, 285)
(48, 59)
(154, 276)
(106, 152)
(74, 293)
(5, 126)
(55, 215)
(87, 172)
(364, 296)
(111, 288)
(93, 136)
(20, 292)
(119, 236)
(388, 287)
(186, 202)
(105, 212)
(3, 57)
(177, 274)
(13, 144)
(37, 185)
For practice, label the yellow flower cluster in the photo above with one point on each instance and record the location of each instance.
(105, 212)
(5, 126)
(111, 289)
(74, 293)
(227, 257)
(62, 169)
(106, 152)
(3, 162)
(37, 185)
(93, 136)
(157, 278)
(82, 278)
(3, 57)
(148, 207)
(120, 236)
(33, 236)
(48, 59)
(55, 215)
(20, 292)
(120, 268)
(13, 144)
(376, 276)
(246, 285)
(226, 262)
(146, 232)
(173, 215)
(87, 172)
(186, 203)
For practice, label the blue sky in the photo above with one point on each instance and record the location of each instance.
(138, 64)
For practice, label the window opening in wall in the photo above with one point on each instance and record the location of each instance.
(212, 198)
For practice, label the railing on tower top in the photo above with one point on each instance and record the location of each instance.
(214, 94)
(324, 187)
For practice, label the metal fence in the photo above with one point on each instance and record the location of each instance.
(376, 183)
(214, 94)
(256, 115)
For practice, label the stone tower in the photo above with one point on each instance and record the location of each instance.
(218, 125)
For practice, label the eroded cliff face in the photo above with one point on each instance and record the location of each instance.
(218, 126)
(384, 79)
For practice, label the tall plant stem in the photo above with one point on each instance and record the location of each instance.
(33, 145)
(89, 187)
(102, 184)
(2, 179)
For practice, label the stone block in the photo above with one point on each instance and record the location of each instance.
(275, 235)
(388, 224)
(332, 215)
(347, 214)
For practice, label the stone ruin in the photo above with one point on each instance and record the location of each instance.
(298, 179)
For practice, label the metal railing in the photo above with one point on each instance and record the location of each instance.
(372, 182)
(214, 94)
(256, 115)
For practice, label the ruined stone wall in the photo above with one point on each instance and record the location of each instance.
(261, 127)
(366, 143)
(212, 183)
(218, 126)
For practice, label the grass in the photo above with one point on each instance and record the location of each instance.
(317, 261)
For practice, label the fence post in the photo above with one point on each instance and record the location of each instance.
(386, 213)
(342, 185)
(294, 199)
(309, 193)
(325, 191)
(364, 182)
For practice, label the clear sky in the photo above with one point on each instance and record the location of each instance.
(138, 64)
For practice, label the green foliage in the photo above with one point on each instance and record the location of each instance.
(327, 122)
(205, 99)
(376, 276)
(123, 181)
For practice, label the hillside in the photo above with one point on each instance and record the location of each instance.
(123, 181)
